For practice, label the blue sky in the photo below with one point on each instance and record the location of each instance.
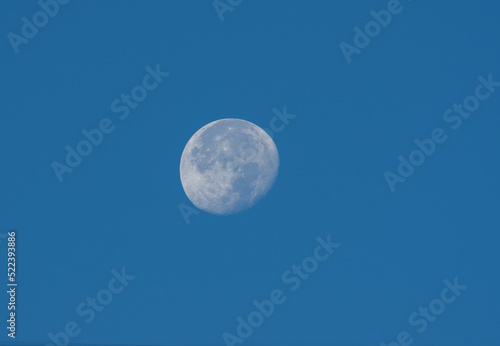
(119, 208)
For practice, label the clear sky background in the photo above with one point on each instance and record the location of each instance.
(119, 207)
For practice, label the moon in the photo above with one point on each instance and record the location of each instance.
(228, 165)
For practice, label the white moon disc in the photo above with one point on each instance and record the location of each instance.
(228, 165)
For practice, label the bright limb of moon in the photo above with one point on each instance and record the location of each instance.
(228, 165)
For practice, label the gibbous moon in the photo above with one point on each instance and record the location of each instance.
(228, 165)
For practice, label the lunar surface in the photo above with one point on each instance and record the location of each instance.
(228, 165)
